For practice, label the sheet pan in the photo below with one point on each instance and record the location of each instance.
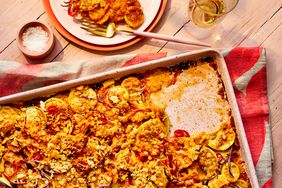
(172, 60)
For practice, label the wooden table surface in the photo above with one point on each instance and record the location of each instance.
(252, 23)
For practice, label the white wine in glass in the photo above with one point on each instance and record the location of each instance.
(207, 13)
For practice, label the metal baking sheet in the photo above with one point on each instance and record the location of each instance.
(168, 61)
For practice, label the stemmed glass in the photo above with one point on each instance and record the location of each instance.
(206, 14)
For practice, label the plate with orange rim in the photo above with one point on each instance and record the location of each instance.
(84, 39)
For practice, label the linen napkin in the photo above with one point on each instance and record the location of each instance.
(247, 68)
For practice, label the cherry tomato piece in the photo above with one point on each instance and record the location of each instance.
(52, 109)
(73, 8)
(181, 133)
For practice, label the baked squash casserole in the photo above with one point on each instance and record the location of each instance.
(114, 134)
(99, 12)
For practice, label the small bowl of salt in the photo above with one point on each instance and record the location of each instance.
(35, 39)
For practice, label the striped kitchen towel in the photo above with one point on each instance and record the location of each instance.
(246, 65)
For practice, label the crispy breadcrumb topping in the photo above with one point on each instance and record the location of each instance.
(112, 134)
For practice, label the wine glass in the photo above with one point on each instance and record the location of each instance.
(206, 14)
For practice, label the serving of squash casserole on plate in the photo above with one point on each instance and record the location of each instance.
(113, 134)
(102, 11)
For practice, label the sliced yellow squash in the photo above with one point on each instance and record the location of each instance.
(98, 12)
(134, 16)
(117, 96)
(223, 140)
(132, 84)
(218, 182)
(225, 171)
(208, 161)
(9, 118)
(59, 103)
(82, 99)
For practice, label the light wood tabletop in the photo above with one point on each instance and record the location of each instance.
(251, 23)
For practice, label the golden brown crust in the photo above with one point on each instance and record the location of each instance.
(113, 135)
(97, 13)
(117, 11)
(134, 16)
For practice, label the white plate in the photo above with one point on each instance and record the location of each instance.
(150, 9)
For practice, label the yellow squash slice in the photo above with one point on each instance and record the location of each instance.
(153, 127)
(234, 170)
(132, 84)
(223, 140)
(117, 96)
(9, 119)
(208, 161)
(88, 5)
(82, 99)
(225, 177)
(118, 11)
(157, 80)
(57, 115)
(218, 182)
(35, 121)
(134, 16)
(98, 13)
(59, 103)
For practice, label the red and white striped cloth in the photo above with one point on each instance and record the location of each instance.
(247, 68)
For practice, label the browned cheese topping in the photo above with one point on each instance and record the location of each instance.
(117, 11)
(111, 134)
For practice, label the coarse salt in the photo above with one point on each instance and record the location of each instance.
(35, 39)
